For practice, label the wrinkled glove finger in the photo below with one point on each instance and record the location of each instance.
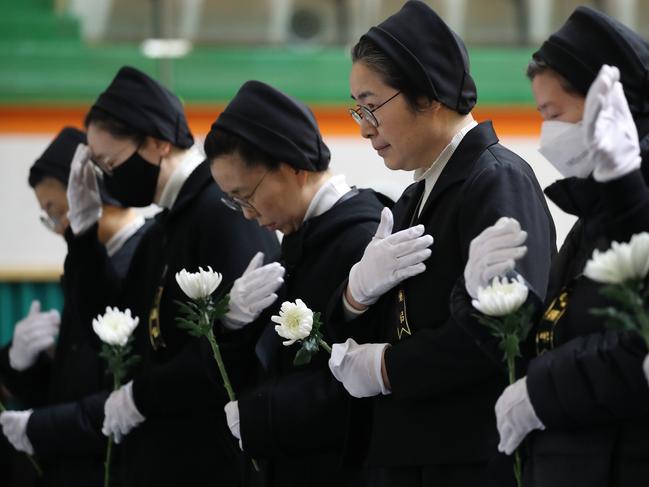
(513, 239)
(503, 255)
(408, 272)
(411, 246)
(41, 344)
(406, 235)
(414, 258)
(499, 269)
(256, 262)
(385, 225)
(264, 303)
(504, 226)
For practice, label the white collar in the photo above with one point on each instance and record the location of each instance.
(118, 240)
(192, 160)
(432, 173)
(327, 196)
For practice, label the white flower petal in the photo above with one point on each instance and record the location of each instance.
(622, 262)
(295, 321)
(501, 297)
(198, 285)
(114, 327)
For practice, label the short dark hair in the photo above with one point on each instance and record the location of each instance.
(368, 52)
(538, 65)
(113, 126)
(220, 142)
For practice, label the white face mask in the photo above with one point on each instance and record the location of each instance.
(563, 144)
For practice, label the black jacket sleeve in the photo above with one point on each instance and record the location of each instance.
(590, 379)
(30, 386)
(70, 429)
(493, 193)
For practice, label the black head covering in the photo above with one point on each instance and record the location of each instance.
(589, 39)
(145, 105)
(276, 124)
(431, 55)
(56, 160)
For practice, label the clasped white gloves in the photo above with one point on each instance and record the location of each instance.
(358, 367)
(493, 253)
(253, 292)
(645, 367)
(120, 413)
(14, 427)
(610, 132)
(33, 334)
(232, 417)
(515, 416)
(388, 259)
(84, 199)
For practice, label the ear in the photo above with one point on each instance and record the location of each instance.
(302, 176)
(163, 147)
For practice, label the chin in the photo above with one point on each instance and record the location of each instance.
(393, 164)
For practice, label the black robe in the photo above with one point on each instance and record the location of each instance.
(295, 419)
(438, 426)
(68, 391)
(182, 441)
(587, 385)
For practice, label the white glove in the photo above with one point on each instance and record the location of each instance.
(515, 416)
(358, 367)
(14, 427)
(232, 417)
(120, 413)
(32, 335)
(609, 129)
(253, 292)
(84, 200)
(493, 253)
(645, 367)
(388, 259)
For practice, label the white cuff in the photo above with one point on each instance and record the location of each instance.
(349, 312)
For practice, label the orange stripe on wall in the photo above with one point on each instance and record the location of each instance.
(334, 121)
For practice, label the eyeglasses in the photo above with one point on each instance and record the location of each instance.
(106, 163)
(363, 113)
(239, 204)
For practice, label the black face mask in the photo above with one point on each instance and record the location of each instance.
(134, 182)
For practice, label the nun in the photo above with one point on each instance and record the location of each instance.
(432, 380)
(268, 156)
(583, 406)
(138, 135)
(65, 391)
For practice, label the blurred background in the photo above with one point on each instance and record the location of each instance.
(56, 56)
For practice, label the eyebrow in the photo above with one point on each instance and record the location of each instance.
(363, 95)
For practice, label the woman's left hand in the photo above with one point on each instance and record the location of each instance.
(645, 367)
(515, 416)
(360, 368)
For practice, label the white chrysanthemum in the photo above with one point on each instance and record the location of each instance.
(622, 262)
(198, 285)
(295, 321)
(115, 326)
(501, 297)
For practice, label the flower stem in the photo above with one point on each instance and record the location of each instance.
(109, 448)
(324, 345)
(511, 368)
(216, 351)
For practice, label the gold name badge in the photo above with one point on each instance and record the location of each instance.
(404, 326)
(155, 331)
(552, 315)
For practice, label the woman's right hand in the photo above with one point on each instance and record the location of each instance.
(84, 200)
(388, 259)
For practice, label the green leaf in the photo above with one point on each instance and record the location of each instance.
(302, 357)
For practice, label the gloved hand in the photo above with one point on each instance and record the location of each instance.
(232, 417)
(14, 427)
(120, 413)
(493, 253)
(253, 292)
(645, 367)
(388, 259)
(32, 335)
(515, 416)
(84, 200)
(609, 129)
(358, 367)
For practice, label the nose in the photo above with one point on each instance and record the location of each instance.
(249, 213)
(367, 129)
